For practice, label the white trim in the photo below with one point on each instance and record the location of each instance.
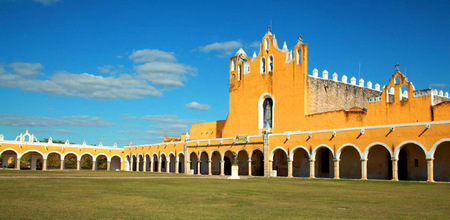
(60, 155)
(254, 149)
(313, 154)
(116, 155)
(225, 152)
(277, 148)
(93, 158)
(212, 152)
(102, 154)
(17, 154)
(341, 148)
(434, 147)
(28, 151)
(400, 146)
(71, 152)
(291, 155)
(365, 155)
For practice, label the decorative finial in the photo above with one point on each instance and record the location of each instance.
(268, 28)
(300, 38)
(396, 65)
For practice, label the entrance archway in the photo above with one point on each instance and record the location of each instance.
(441, 162)
(350, 163)
(300, 163)
(215, 163)
(242, 158)
(163, 163)
(141, 162)
(324, 163)
(412, 164)
(379, 165)
(9, 159)
(228, 161)
(155, 163)
(86, 162)
(70, 161)
(181, 163)
(279, 162)
(115, 163)
(54, 161)
(101, 162)
(172, 163)
(257, 163)
(148, 161)
(194, 161)
(29, 161)
(204, 163)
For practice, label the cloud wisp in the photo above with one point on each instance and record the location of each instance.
(46, 2)
(198, 106)
(221, 46)
(41, 121)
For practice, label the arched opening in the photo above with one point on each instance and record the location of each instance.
(53, 161)
(86, 162)
(279, 162)
(9, 159)
(115, 163)
(441, 166)
(350, 163)
(239, 72)
(233, 64)
(181, 163)
(163, 163)
(134, 163)
(70, 161)
(127, 163)
(204, 163)
(266, 44)
(141, 163)
(148, 161)
(379, 165)
(155, 163)
(28, 161)
(257, 163)
(172, 163)
(404, 93)
(324, 163)
(215, 163)
(268, 112)
(228, 162)
(390, 94)
(262, 65)
(412, 164)
(300, 163)
(194, 161)
(270, 64)
(299, 55)
(101, 162)
(242, 158)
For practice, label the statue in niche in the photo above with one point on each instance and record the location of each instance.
(267, 113)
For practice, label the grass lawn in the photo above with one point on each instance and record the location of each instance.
(204, 198)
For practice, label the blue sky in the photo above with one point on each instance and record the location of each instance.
(121, 71)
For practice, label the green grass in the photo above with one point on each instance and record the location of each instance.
(203, 198)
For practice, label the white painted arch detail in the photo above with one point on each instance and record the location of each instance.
(87, 153)
(342, 147)
(102, 154)
(116, 155)
(313, 154)
(71, 152)
(365, 154)
(225, 152)
(56, 152)
(435, 146)
(17, 154)
(261, 109)
(212, 152)
(31, 151)
(179, 155)
(275, 149)
(256, 149)
(291, 155)
(401, 145)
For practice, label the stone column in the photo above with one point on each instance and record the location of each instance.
(61, 165)
(394, 169)
(94, 165)
(290, 170)
(167, 166)
(249, 168)
(270, 164)
(312, 174)
(209, 168)
(336, 169)
(138, 164)
(267, 164)
(108, 165)
(44, 164)
(159, 166)
(16, 163)
(198, 167)
(222, 168)
(363, 169)
(177, 165)
(430, 171)
(78, 165)
(145, 164)
(151, 166)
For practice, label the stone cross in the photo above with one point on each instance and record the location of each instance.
(396, 65)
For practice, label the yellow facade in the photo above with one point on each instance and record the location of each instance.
(276, 127)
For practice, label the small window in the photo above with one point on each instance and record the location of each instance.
(263, 65)
(270, 64)
(239, 72)
(299, 56)
(266, 44)
(233, 64)
(233, 77)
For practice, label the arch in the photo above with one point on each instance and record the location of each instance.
(266, 43)
(171, 153)
(141, 162)
(9, 149)
(366, 151)
(71, 152)
(440, 152)
(228, 160)
(435, 145)
(255, 149)
(242, 161)
(300, 161)
(270, 64)
(115, 163)
(261, 109)
(86, 160)
(323, 156)
(70, 160)
(148, 161)
(51, 163)
(163, 162)
(155, 161)
(32, 151)
(51, 152)
(204, 158)
(291, 155)
(102, 154)
(225, 152)
(193, 162)
(172, 162)
(401, 145)
(101, 162)
(299, 55)
(215, 158)
(181, 162)
(279, 156)
(341, 148)
(257, 162)
(262, 65)
(128, 163)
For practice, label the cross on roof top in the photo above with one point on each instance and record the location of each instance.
(268, 28)
(396, 65)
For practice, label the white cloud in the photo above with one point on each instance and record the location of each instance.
(169, 119)
(164, 73)
(78, 120)
(26, 69)
(221, 46)
(198, 106)
(441, 85)
(149, 55)
(46, 2)
(255, 44)
(127, 116)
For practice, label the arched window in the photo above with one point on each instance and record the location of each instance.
(233, 64)
(268, 113)
(390, 94)
(239, 72)
(266, 44)
(299, 56)
(270, 64)
(263, 65)
(246, 67)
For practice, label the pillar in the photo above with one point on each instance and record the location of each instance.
(145, 164)
(430, 171)
(270, 165)
(364, 169)
(159, 166)
(336, 169)
(138, 164)
(16, 163)
(94, 165)
(267, 165)
(209, 168)
(290, 168)
(249, 167)
(108, 165)
(78, 164)
(167, 166)
(222, 168)
(312, 174)
(198, 167)
(151, 166)
(44, 164)
(61, 165)
(394, 169)
(177, 164)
